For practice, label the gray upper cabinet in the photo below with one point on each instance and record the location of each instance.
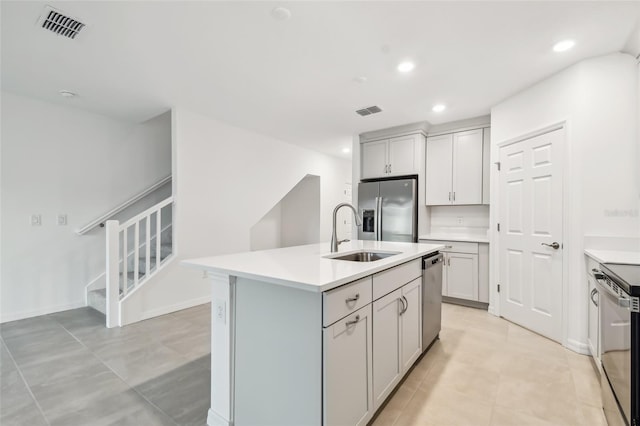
(455, 169)
(396, 156)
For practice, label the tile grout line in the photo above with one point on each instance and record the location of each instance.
(26, 384)
(117, 375)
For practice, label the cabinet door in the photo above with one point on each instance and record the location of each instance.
(439, 170)
(594, 320)
(411, 324)
(445, 274)
(467, 167)
(486, 164)
(402, 153)
(386, 352)
(462, 276)
(347, 370)
(374, 159)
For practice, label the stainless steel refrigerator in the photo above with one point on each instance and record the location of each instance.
(389, 210)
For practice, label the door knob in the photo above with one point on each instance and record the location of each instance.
(554, 245)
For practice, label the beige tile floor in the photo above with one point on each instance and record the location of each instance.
(487, 371)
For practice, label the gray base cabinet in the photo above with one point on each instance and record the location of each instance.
(367, 352)
(347, 370)
(593, 311)
(465, 272)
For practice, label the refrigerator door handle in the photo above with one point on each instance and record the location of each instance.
(379, 221)
(375, 219)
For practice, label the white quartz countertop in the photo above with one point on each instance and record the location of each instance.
(455, 237)
(614, 256)
(307, 267)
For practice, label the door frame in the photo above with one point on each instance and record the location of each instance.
(568, 237)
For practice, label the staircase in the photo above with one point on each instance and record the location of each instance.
(97, 299)
(136, 250)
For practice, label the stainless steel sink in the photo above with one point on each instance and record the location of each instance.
(364, 256)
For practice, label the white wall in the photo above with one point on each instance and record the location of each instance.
(225, 180)
(267, 233)
(598, 99)
(294, 221)
(301, 213)
(58, 159)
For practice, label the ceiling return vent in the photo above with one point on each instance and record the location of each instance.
(369, 110)
(59, 23)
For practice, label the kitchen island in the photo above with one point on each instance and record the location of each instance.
(298, 335)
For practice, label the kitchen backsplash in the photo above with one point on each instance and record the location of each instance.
(460, 219)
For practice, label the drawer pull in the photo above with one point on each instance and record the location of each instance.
(353, 321)
(352, 299)
(448, 246)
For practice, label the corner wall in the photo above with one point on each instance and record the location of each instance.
(598, 99)
(225, 180)
(62, 160)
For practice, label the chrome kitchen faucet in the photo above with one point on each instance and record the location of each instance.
(334, 236)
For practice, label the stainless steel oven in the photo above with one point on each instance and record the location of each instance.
(619, 328)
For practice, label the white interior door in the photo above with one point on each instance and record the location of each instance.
(530, 217)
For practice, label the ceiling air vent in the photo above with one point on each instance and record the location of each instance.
(369, 110)
(56, 22)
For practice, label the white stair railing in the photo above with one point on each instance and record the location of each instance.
(123, 277)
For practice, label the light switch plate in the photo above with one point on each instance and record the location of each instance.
(62, 219)
(36, 219)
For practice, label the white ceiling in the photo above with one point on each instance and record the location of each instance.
(294, 80)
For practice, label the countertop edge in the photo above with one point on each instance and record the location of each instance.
(601, 256)
(315, 288)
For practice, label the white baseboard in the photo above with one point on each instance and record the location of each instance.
(37, 312)
(213, 419)
(176, 307)
(578, 347)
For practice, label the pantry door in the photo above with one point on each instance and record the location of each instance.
(530, 236)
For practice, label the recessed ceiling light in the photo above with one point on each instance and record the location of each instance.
(346, 150)
(281, 13)
(438, 108)
(67, 94)
(406, 66)
(563, 45)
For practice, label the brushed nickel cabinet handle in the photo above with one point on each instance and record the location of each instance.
(593, 293)
(352, 299)
(353, 321)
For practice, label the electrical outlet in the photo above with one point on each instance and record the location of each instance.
(220, 311)
(459, 220)
(36, 219)
(62, 220)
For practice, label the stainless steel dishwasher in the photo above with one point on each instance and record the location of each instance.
(431, 298)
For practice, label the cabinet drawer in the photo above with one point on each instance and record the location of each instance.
(344, 300)
(455, 246)
(386, 281)
(591, 265)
